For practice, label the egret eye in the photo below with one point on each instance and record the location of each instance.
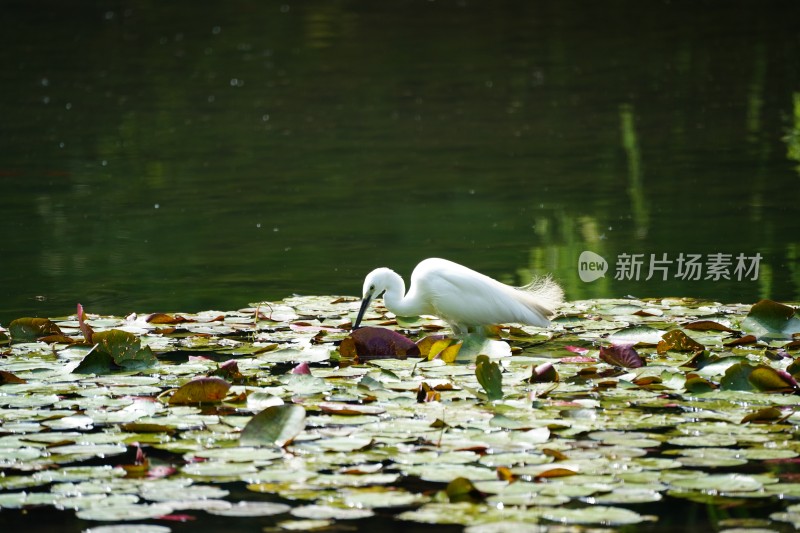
(372, 287)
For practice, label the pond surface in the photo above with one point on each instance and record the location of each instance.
(164, 157)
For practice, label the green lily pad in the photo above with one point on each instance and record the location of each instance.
(29, 329)
(200, 390)
(247, 508)
(489, 377)
(772, 320)
(597, 514)
(274, 426)
(114, 513)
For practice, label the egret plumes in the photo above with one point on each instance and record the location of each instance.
(462, 297)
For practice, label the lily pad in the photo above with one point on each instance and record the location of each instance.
(29, 329)
(622, 355)
(597, 514)
(489, 377)
(274, 426)
(772, 320)
(200, 390)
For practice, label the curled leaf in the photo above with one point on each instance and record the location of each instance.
(301, 368)
(86, 329)
(30, 329)
(425, 393)
(544, 373)
(622, 355)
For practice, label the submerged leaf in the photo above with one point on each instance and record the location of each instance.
(489, 377)
(30, 329)
(274, 426)
(621, 355)
(200, 390)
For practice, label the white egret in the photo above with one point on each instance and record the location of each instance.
(463, 298)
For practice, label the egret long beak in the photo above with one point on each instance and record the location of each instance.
(364, 305)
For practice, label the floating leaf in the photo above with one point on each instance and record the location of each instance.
(462, 489)
(544, 373)
(164, 318)
(30, 329)
(445, 349)
(772, 320)
(8, 377)
(678, 341)
(95, 362)
(697, 385)
(425, 393)
(246, 508)
(116, 513)
(274, 426)
(737, 378)
(636, 335)
(621, 355)
(373, 343)
(741, 341)
(302, 368)
(767, 414)
(577, 349)
(596, 514)
(720, 483)
(200, 390)
(426, 343)
(347, 409)
(229, 371)
(124, 348)
(707, 325)
(489, 377)
(555, 472)
(766, 378)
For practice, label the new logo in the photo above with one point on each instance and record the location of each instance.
(591, 266)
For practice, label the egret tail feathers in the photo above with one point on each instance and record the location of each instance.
(543, 295)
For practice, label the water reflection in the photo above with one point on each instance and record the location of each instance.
(163, 157)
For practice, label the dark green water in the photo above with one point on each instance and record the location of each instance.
(167, 156)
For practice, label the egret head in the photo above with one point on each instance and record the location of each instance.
(375, 284)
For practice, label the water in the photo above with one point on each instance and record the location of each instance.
(164, 157)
